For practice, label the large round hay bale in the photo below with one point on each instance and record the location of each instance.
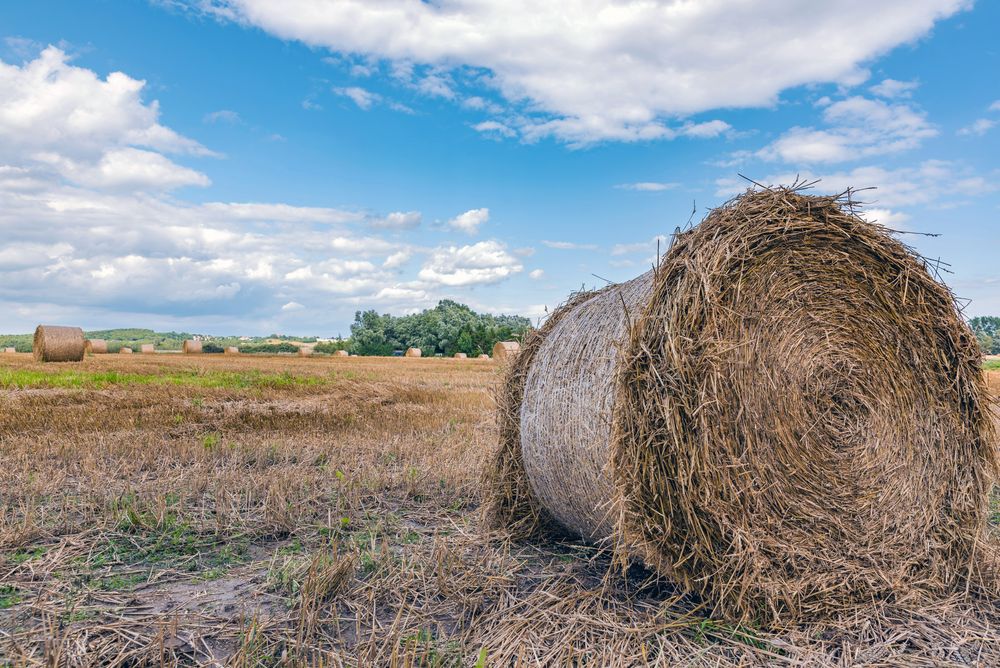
(341, 353)
(192, 347)
(461, 356)
(787, 416)
(147, 349)
(413, 352)
(232, 350)
(484, 356)
(9, 350)
(305, 351)
(58, 344)
(503, 350)
(96, 347)
(124, 351)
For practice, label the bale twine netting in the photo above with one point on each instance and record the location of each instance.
(192, 347)
(787, 417)
(58, 344)
(96, 347)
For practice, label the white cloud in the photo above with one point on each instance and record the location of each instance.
(590, 70)
(568, 245)
(536, 274)
(977, 128)
(659, 241)
(648, 186)
(893, 88)
(470, 221)
(397, 259)
(930, 182)
(494, 128)
(92, 131)
(361, 97)
(286, 213)
(398, 220)
(480, 263)
(886, 217)
(995, 106)
(223, 116)
(292, 306)
(859, 127)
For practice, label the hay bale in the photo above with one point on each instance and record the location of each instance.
(796, 422)
(305, 351)
(461, 356)
(10, 350)
(484, 356)
(413, 352)
(147, 349)
(96, 347)
(232, 350)
(192, 347)
(504, 350)
(124, 351)
(341, 353)
(58, 344)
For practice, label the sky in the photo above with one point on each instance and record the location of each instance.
(250, 167)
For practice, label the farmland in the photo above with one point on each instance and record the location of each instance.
(263, 511)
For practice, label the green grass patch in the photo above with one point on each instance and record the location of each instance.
(9, 596)
(991, 365)
(74, 379)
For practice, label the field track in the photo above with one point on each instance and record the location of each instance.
(252, 510)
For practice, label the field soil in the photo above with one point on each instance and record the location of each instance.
(266, 511)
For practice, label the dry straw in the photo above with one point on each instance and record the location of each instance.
(58, 344)
(147, 349)
(96, 346)
(192, 347)
(413, 352)
(787, 416)
(506, 349)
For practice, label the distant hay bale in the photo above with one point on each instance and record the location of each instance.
(96, 347)
(413, 352)
(461, 356)
(484, 356)
(147, 349)
(192, 347)
(9, 350)
(787, 416)
(232, 350)
(504, 350)
(124, 351)
(305, 351)
(341, 353)
(58, 344)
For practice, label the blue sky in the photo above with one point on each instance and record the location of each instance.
(244, 166)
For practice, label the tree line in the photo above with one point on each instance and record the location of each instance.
(987, 331)
(446, 329)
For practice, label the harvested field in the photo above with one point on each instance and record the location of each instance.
(250, 510)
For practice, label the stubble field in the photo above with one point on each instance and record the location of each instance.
(263, 511)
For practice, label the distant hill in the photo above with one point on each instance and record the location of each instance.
(135, 337)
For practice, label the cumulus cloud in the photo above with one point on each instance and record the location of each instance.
(977, 128)
(223, 116)
(536, 274)
(659, 241)
(893, 88)
(859, 127)
(91, 131)
(995, 106)
(568, 245)
(398, 220)
(292, 306)
(470, 221)
(589, 71)
(361, 97)
(648, 186)
(480, 263)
